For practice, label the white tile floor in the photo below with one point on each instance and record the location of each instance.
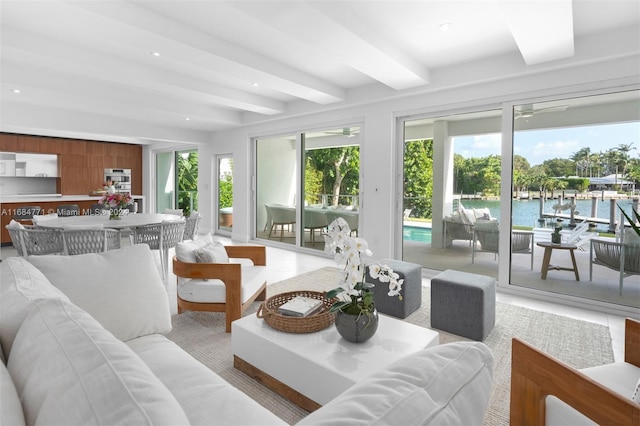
(285, 264)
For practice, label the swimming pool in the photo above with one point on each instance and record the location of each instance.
(416, 233)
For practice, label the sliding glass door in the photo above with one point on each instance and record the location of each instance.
(224, 166)
(177, 181)
(304, 182)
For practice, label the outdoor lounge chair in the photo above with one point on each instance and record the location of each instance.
(613, 255)
(522, 242)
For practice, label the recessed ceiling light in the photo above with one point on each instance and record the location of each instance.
(155, 53)
(255, 84)
(187, 118)
(446, 26)
(16, 91)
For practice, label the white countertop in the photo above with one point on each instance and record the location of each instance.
(43, 198)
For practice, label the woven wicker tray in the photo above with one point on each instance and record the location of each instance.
(315, 322)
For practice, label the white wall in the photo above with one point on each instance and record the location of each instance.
(381, 202)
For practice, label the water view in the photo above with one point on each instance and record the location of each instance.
(527, 212)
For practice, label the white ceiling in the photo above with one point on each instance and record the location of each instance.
(87, 65)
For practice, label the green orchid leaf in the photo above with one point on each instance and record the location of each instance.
(631, 221)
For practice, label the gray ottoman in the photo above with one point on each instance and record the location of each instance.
(411, 289)
(463, 303)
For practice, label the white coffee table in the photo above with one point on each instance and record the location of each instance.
(313, 368)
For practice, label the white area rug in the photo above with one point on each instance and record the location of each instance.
(578, 343)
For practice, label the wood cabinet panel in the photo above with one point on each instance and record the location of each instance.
(71, 146)
(8, 142)
(81, 163)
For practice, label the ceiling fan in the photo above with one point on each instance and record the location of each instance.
(347, 131)
(528, 111)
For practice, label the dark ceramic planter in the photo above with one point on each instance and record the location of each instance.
(357, 328)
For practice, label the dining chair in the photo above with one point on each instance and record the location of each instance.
(81, 241)
(162, 237)
(281, 216)
(177, 212)
(31, 240)
(191, 226)
(66, 210)
(522, 242)
(314, 220)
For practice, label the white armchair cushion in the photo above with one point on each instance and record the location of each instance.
(21, 284)
(68, 370)
(125, 281)
(214, 290)
(620, 377)
(445, 385)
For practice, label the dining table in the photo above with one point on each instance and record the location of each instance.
(126, 221)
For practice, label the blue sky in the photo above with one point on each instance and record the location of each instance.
(540, 145)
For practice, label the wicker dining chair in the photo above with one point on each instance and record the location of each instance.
(81, 241)
(162, 237)
(191, 226)
(31, 240)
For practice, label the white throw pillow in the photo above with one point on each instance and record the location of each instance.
(21, 284)
(212, 253)
(467, 216)
(122, 288)
(10, 407)
(185, 250)
(444, 385)
(68, 370)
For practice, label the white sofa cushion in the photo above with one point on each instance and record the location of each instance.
(205, 397)
(213, 290)
(121, 288)
(444, 385)
(620, 377)
(68, 370)
(21, 284)
(10, 407)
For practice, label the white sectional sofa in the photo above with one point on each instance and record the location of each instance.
(82, 343)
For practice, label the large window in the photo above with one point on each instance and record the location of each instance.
(568, 164)
(177, 181)
(575, 165)
(225, 193)
(304, 182)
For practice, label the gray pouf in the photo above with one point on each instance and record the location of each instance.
(411, 291)
(463, 303)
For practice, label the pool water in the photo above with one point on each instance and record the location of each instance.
(415, 233)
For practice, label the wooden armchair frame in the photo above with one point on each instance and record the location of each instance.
(534, 375)
(231, 275)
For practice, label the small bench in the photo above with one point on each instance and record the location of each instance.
(411, 291)
(463, 303)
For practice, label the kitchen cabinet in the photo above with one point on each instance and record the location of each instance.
(36, 165)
